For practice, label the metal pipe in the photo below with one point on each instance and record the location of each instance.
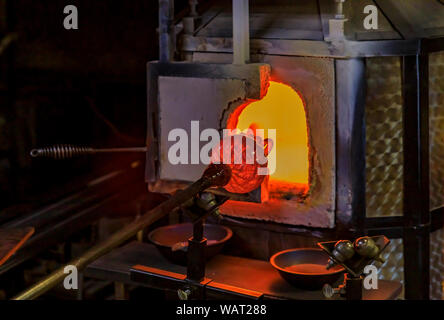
(167, 33)
(416, 187)
(241, 32)
(69, 151)
(215, 175)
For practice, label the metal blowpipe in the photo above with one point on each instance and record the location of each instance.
(67, 151)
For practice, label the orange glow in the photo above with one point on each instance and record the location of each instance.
(282, 109)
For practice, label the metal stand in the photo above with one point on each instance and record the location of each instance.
(194, 285)
(202, 207)
(196, 253)
(353, 287)
(354, 258)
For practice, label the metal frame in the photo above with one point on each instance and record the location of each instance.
(167, 31)
(416, 196)
(343, 49)
(350, 146)
(417, 222)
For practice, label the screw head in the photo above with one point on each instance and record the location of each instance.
(328, 291)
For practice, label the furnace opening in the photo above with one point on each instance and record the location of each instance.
(282, 109)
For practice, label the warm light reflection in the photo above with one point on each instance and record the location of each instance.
(281, 109)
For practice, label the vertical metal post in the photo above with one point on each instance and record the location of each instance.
(167, 36)
(416, 237)
(241, 32)
(339, 9)
(336, 26)
(196, 253)
(353, 287)
(350, 145)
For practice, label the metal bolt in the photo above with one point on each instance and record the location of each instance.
(328, 291)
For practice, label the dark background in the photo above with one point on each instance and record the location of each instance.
(84, 86)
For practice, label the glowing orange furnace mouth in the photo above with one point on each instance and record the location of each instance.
(282, 109)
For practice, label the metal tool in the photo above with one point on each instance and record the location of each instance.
(66, 151)
(368, 250)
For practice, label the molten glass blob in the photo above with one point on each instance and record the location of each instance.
(246, 155)
(281, 109)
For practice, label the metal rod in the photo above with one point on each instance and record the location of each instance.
(350, 144)
(196, 253)
(241, 32)
(167, 33)
(115, 150)
(69, 151)
(416, 193)
(215, 175)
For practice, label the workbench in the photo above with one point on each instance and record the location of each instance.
(251, 275)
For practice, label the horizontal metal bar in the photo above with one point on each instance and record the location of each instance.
(432, 45)
(339, 49)
(165, 280)
(392, 227)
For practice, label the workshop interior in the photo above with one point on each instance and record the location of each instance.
(107, 111)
